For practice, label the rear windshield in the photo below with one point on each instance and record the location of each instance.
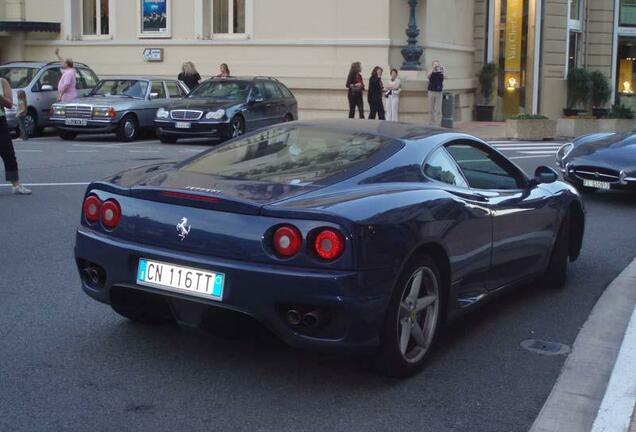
(18, 77)
(227, 90)
(294, 155)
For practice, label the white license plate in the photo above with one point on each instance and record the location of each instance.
(597, 184)
(75, 122)
(177, 278)
(183, 125)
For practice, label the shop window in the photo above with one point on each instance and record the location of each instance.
(95, 17)
(626, 81)
(228, 17)
(628, 13)
(574, 50)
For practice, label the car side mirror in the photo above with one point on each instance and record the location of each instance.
(154, 96)
(544, 175)
(46, 87)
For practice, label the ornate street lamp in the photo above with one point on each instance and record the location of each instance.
(412, 51)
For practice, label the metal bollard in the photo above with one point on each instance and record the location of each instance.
(448, 108)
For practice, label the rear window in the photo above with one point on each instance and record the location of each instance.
(294, 155)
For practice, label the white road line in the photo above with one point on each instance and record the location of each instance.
(527, 157)
(48, 184)
(544, 152)
(144, 151)
(618, 404)
(29, 151)
(82, 151)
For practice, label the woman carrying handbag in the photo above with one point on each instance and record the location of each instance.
(355, 84)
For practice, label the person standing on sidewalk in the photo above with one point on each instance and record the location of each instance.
(21, 114)
(435, 89)
(67, 87)
(376, 90)
(224, 71)
(392, 93)
(7, 152)
(189, 75)
(355, 84)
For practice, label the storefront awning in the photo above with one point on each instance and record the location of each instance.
(30, 26)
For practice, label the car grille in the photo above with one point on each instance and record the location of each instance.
(595, 173)
(78, 111)
(186, 115)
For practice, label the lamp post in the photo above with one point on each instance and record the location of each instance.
(412, 52)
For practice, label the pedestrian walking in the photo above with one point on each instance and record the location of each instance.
(355, 85)
(374, 96)
(435, 89)
(189, 75)
(67, 86)
(7, 152)
(21, 113)
(224, 71)
(392, 93)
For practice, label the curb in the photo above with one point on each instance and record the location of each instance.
(573, 404)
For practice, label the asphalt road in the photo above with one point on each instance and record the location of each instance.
(68, 363)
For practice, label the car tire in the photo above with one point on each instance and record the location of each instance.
(31, 124)
(141, 307)
(288, 118)
(128, 129)
(557, 271)
(408, 335)
(167, 139)
(236, 127)
(68, 135)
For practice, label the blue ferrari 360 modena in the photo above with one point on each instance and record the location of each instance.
(363, 236)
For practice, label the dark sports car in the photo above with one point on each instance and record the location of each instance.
(602, 161)
(226, 108)
(336, 234)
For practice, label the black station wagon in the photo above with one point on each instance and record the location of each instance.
(226, 108)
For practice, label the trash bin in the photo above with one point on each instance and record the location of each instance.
(448, 108)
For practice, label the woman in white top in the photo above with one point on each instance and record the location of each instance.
(392, 92)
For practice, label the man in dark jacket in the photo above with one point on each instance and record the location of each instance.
(435, 89)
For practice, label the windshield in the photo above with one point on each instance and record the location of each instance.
(291, 155)
(130, 88)
(18, 77)
(227, 90)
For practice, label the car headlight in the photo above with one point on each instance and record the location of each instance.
(58, 110)
(564, 151)
(104, 112)
(163, 113)
(215, 115)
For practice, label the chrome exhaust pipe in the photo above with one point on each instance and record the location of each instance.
(294, 317)
(92, 274)
(313, 319)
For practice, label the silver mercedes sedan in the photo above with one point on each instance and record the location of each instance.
(124, 106)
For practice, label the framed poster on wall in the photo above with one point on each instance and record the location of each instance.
(154, 18)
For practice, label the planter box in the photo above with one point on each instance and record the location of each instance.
(531, 130)
(572, 128)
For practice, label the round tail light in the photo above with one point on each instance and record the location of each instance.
(92, 206)
(287, 241)
(329, 244)
(111, 214)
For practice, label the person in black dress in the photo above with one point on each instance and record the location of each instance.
(376, 90)
(355, 85)
(189, 75)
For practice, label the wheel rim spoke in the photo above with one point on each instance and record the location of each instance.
(415, 286)
(418, 335)
(405, 335)
(425, 302)
(405, 311)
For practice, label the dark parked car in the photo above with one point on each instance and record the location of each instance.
(227, 108)
(342, 235)
(602, 161)
(124, 106)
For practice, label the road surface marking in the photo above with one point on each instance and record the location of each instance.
(49, 184)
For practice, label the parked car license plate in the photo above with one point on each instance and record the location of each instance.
(183, 125)
(177, 278)
(597, 184)
(75, 122)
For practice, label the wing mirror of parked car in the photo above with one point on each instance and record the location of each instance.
(544, 175)
(47, 87)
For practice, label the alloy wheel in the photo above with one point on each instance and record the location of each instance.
(29, 125)
(237, 128)
(129, 128)
(417, 318)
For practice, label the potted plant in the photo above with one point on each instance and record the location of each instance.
(579, 88)
(601, 93)
(486, 77)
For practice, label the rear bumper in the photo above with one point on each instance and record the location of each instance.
(264, 292)
(197, 129)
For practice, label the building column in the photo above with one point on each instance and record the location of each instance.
(14, 10)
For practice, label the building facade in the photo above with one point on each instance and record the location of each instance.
(309, 45)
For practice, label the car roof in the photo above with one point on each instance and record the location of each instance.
(136, 78)
(37, 64)
(243, 78)
(394, 130)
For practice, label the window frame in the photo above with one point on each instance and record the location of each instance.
(518, 174)
(442, 148)
(182, 92)
(141, 34)
(204, 22)
(98, 21)
(574, 25)
(620, 23)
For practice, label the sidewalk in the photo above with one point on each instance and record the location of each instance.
(596, 390)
